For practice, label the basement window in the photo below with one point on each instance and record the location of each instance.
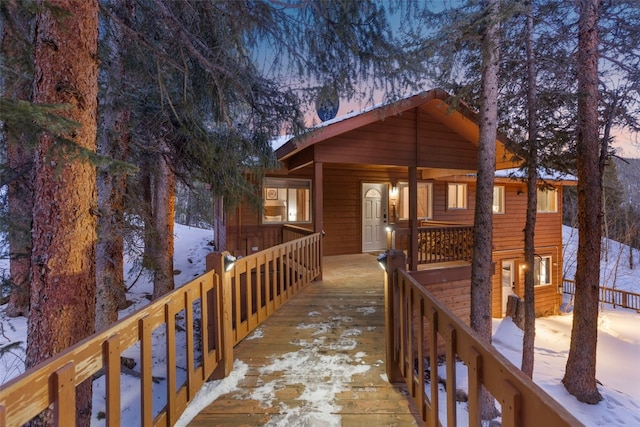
(286, 201)
(542, 270)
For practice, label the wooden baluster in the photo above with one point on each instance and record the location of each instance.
(475, 376)
(510, 405)
(450, 353)
(146, 395)
(111, 355)
(170, 324)
(188, 303)
(434, 419)
(64, 395)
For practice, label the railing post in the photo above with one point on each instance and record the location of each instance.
(395, 259)
(215, 261)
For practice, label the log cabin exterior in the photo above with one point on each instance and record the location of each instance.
(384, 178)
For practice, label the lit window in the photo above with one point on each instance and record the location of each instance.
(425, 200)
(286, 200)
(547, 200)
(542, 270)
(498, 200)
(457, 196)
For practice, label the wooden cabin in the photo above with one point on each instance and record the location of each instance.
(403, 175)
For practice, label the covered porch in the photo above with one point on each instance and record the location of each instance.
(352, 178)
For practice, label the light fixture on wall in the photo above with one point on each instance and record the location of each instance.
(229, 261)
(394, 188)
(382, 260)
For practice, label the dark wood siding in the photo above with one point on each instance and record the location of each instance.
(343, 206)
(508, 242)
(370, 144)
(440, 147)
(456, 296)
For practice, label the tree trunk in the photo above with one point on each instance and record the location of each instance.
(114, 141)
(17, 51)
(146, 210)
(481, 268)
(631, 225)
(163, 222)
(219, 224)
(64, 226)
(528, 338)
(580, 374)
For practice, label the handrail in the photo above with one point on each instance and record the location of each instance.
(415, 321)
(292, 232)
(208, 302)
(617, 297)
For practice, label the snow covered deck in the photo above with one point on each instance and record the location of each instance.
(319, 360)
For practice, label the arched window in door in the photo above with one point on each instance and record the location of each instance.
(372, 193)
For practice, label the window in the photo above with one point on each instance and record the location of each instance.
(498, 200)
(425, 200)
(457, 196)
(542, 270)
(547, 200)
(286, 200)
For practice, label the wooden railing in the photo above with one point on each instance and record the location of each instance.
(200, 322)
(416, 322)
(436, 242)
(262, 282)
(444, 243)
(617, 297)
(292, 232)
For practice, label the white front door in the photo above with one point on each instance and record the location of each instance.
(508, 282)
(374, 217)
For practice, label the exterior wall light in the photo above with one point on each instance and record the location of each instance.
(229, 261)
(382, 260)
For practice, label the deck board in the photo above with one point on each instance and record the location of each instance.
(339, 319)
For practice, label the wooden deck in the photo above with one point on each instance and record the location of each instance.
(319, 360)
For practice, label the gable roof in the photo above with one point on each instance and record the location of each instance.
(438, 103)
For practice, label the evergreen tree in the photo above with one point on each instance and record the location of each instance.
(114, 141)
(580, 374)
(16, 173)
(64, 225)
(214, 110)
(481, 266)
(531, 159)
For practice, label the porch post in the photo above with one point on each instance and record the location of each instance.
(395, 260)
(318, 206)
(413, 218)
(215, 261)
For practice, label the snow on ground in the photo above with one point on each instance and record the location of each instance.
(618, 366)
(191, 247)
(614, 265)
